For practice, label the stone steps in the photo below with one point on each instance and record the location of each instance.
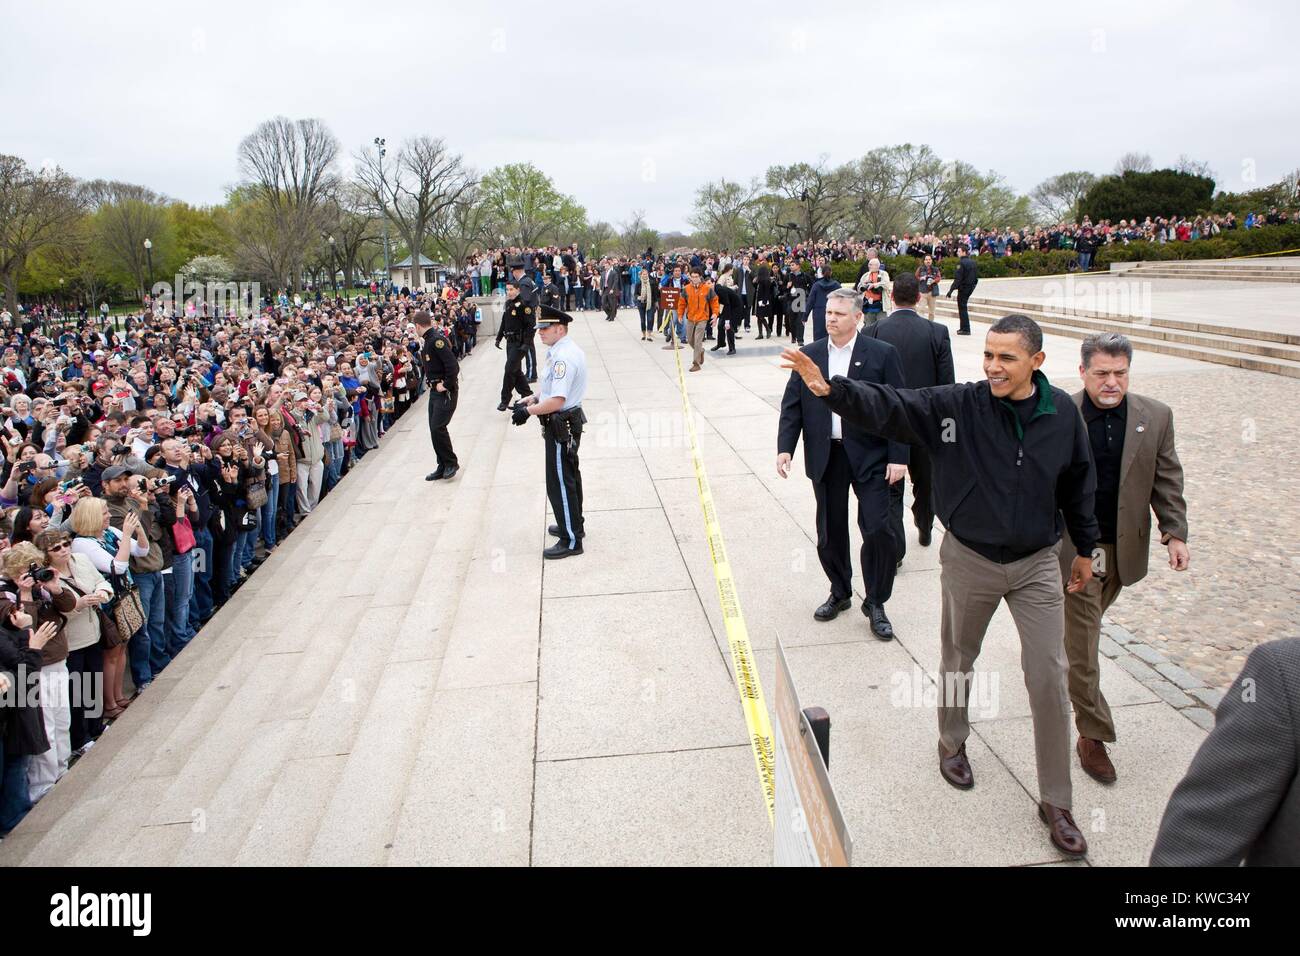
(1236, 350)
(1232, 270)
(294, 719)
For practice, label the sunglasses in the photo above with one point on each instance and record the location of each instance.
(58, 547)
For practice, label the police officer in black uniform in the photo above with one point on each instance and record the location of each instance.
(517, 323)
(440, 371)
(552, 297)
(527, 292)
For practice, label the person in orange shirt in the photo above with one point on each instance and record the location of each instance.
(699, 307)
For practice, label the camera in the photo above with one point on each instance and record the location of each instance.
(121, 449)
(188, 431)
(158, 483)
(70, 483)
(39, 574)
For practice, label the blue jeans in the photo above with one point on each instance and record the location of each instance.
(201, 595)
(245, 549)
(266, 516)
(681, 328)
(334, 470)
(14, 802)
(179, 588)
(1085, 260)
(148, 648)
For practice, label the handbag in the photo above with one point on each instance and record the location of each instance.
(127, 611)
(109, 634)
(257, 495)
(183, 535)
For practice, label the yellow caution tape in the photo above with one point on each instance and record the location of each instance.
(752, 701)
(1258, 255)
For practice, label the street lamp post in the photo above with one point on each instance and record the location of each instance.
(334, 270)
(383, 209)
(148, 254)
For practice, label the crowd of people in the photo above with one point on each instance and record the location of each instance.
(149, 467)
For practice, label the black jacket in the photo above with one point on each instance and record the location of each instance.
(803, 413)
(439, 360)
(998, 488)
(731, 305)
(967, 275)
(21, 727)
(923, 346)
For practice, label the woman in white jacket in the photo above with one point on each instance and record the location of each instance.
(85, 656)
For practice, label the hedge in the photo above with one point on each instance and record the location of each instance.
(1235, 242)
(1226, 245)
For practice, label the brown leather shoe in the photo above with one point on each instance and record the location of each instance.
(1065, 835)
(1096, 763)
(956, 769)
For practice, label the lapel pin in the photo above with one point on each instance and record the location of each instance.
(1141, 428)
(857, 363)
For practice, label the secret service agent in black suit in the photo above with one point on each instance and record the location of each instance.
(926, 354)
(838, 455)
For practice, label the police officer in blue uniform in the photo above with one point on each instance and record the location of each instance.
(559, 408)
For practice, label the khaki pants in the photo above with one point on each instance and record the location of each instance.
(1083, 613)
(695, 339)
(929, 306)
(973, 586)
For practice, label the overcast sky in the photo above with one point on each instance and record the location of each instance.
(634, 107)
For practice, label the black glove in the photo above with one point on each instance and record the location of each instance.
(951, 290)
(498, 343)
(520, 413)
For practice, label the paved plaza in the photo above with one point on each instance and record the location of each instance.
(1264, 306)
(406, 681)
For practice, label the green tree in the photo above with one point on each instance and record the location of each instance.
(37, 207)
(126, 215)
(526, 208)
(1165, 192)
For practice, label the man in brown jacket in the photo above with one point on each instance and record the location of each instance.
(1138, 471)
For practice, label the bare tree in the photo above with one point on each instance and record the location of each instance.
(36, 210)
(289, 166)
(1194, 167)
(463, 226)
(635, 234)
(814, 190)
(415, 189)
(881, 189)
(257, 241)
(598, 239)
(353, 221)
(940, 187)
(722, 211)
(1057, 199)
(1134, 162)
(125, 216)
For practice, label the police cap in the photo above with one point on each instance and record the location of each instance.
(550, 316)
